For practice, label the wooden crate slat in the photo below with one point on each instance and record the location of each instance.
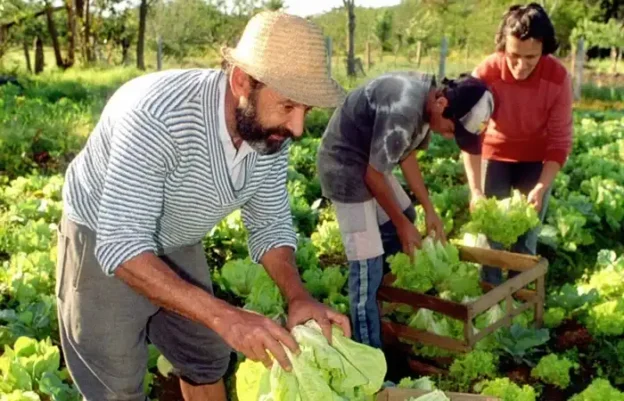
(499, 293)
(522, 294)
(402, 394)
(407, 333)
(491, 257)
(507, 319)
(418, 300)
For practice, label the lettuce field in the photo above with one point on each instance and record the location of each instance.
(578, 355)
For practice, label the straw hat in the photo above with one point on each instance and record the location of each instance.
(288, 54)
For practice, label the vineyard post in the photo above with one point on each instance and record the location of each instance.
(443, 53)
(159, 53)
(578, 68)
(328, 47)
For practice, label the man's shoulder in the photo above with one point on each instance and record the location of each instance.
(157, 93)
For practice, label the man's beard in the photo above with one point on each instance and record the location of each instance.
(257, 136)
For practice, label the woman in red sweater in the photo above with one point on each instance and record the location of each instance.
(529, 136)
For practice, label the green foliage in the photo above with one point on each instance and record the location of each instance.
(599, 390)
(554, 370)
(504, 220)
(473, 366)
(506, 390)
(343, 370)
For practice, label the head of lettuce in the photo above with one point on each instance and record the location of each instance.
(342, 370)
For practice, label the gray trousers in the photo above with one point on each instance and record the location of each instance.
(105, 325)
(499, 179)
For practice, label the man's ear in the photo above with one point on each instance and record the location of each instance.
(240, 83)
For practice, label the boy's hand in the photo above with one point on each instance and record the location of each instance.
(409, 236)
(435, 225)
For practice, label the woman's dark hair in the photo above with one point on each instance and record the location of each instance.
(526, 22)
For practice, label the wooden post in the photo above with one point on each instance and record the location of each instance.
(368, 55)
(330, 53)
(443, 52)
(418, 53)
(159, 54)
(578, 68)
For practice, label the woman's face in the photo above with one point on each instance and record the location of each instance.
(522, 56)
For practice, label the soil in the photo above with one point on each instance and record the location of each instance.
(520, 374)
(552, 393)
(166, 389)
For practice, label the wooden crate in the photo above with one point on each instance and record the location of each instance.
(531, 269)
(399, 394)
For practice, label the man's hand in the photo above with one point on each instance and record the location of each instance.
(536, 197)
(409, 236)
(474, 198)
(253, 335)
(305, 308)
(435, 225)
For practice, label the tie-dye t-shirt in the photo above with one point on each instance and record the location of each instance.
(379, 124)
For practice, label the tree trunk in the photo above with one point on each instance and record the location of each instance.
(125, 51)
(87, 34)
(27, 56)
(614, 58)
(71, 34)
(39, 62)
(350, 37)
(54, 36)
(141, 42)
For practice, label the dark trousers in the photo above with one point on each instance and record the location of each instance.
(499, 179)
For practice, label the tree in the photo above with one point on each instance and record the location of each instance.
(274, 5)
(350, 8)
(143, 10)
(383, 31)
(54, 35)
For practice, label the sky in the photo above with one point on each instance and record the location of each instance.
(305, 8)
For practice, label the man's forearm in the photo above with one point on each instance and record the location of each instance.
(415, 181)
(384, 195)
(549, 172)
(472, 165)
(281, 266)
(152, 278)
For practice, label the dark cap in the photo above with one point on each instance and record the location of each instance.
(470, 106)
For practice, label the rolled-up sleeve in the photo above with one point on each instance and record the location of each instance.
(560, 125)
(142, 153)
(267, 214)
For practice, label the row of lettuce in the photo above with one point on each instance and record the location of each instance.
(582, 238)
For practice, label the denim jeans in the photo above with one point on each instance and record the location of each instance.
(365, 278)
(499, 179)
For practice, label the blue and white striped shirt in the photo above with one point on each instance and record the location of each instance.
(153, 174)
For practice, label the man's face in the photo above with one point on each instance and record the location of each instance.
(267, 120)
(437, 122)
(522, 56)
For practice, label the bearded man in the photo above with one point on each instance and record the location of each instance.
(174, 153)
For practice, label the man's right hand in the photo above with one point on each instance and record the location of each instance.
(253, 335)
(409, 236)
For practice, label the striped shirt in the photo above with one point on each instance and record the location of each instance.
(153, 174)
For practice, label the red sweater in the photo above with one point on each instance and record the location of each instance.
(532, 120)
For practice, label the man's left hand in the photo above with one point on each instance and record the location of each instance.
(536, 197)
(305, 308)
(435, 225)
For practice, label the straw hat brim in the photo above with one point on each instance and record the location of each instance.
(325, 92)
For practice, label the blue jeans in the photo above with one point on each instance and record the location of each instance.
(499, 179)
(365, 278)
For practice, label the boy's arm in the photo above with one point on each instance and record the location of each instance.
(383, 193)
(414, 178)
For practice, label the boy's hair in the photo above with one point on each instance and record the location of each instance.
(527, 22)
